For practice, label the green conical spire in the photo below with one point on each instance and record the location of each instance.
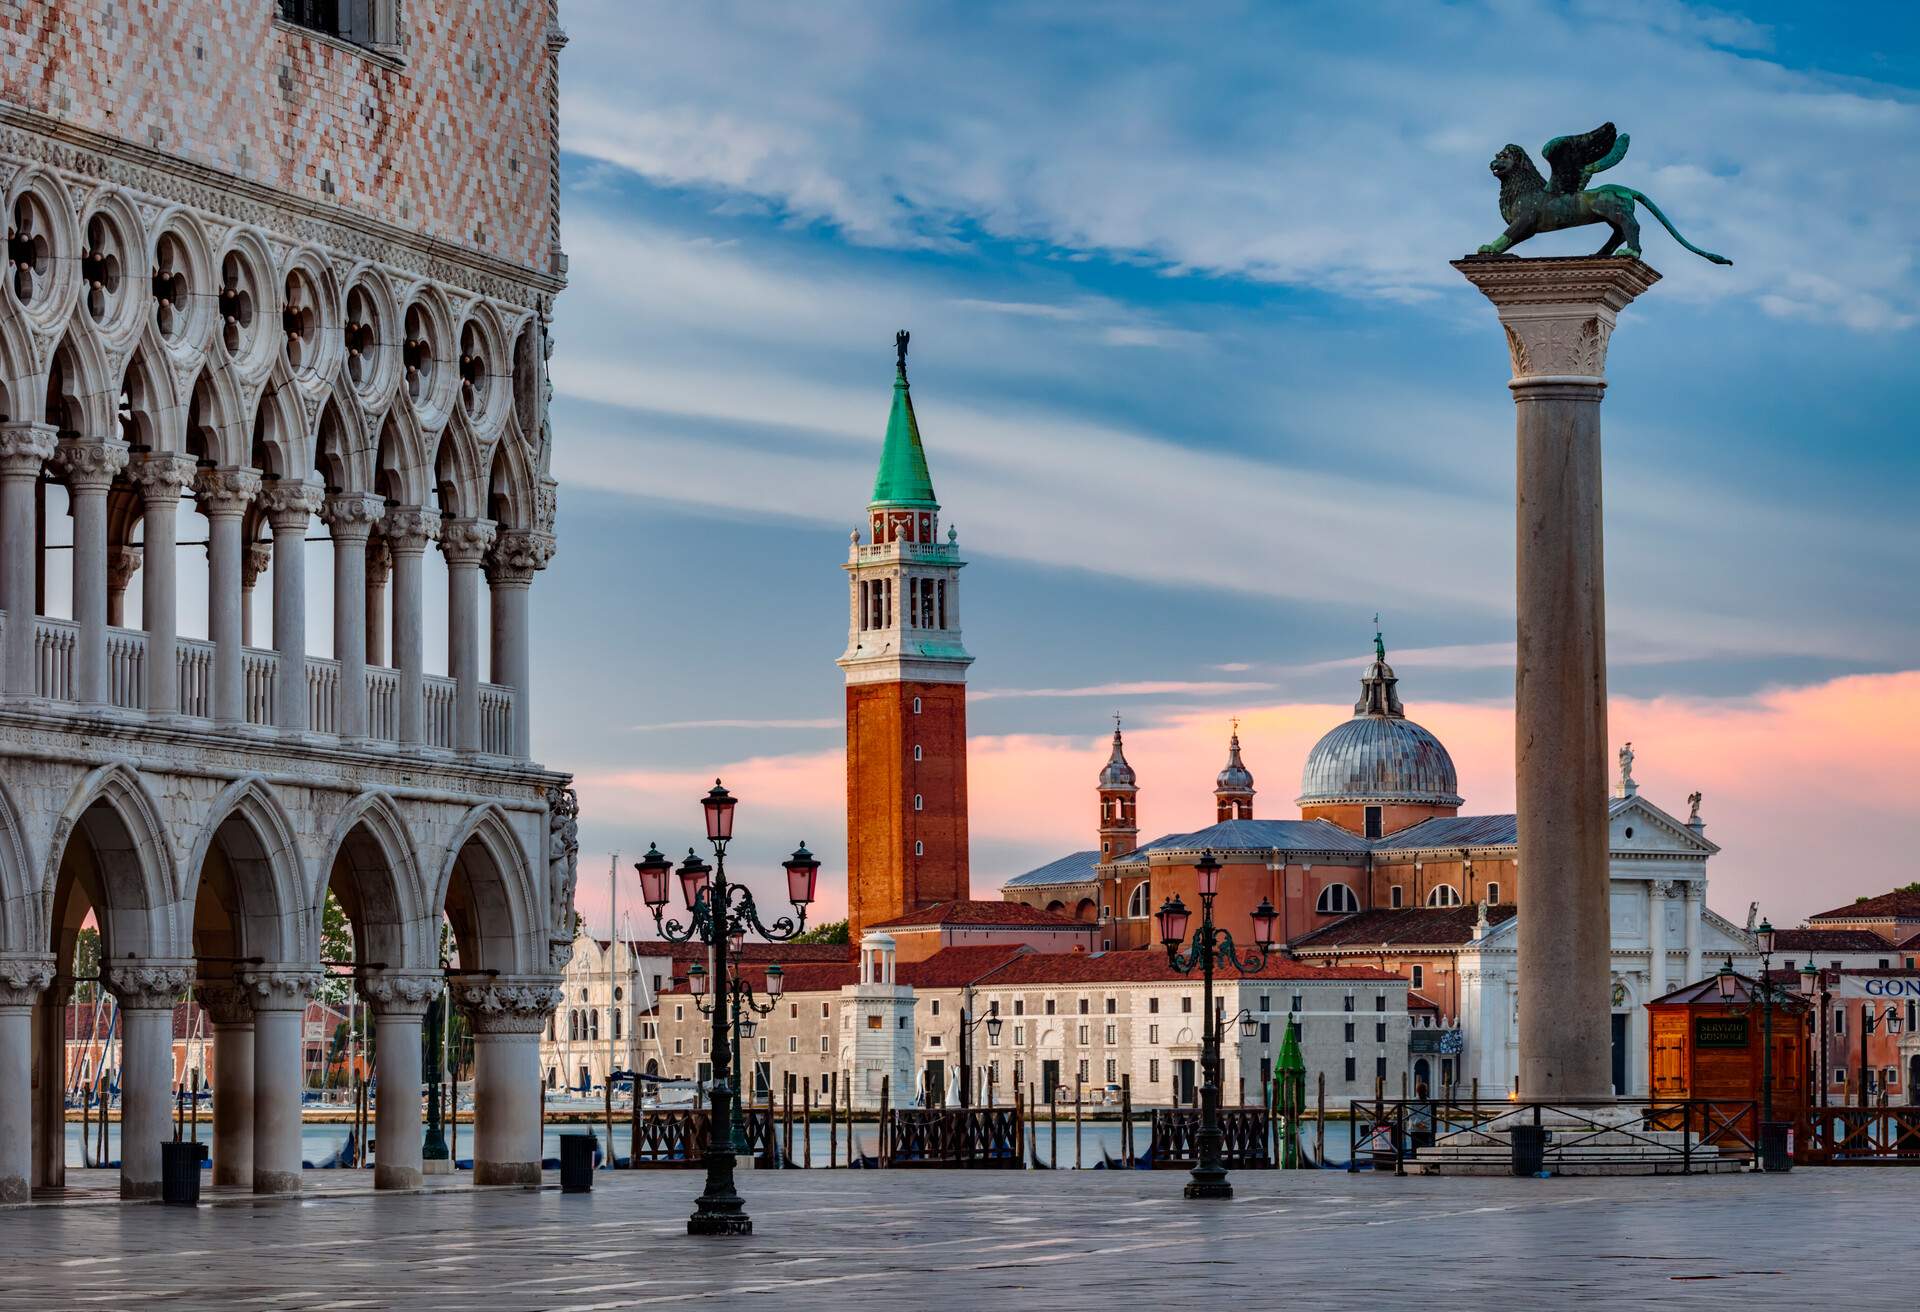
(903, 479)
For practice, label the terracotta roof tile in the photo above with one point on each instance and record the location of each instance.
(980, 911)
(1407, 927)
(1901, 903)
(1816, 939)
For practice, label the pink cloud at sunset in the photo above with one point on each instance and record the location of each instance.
(1813, 792)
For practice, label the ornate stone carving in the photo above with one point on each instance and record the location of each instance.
(255, 562)
(563, 876)
(92, 466)
(279, 989)
(400, 994)
(149, 985)
(546, 505)
(518, 555)
(289, 505)
(1558, 313)
(24, 979)
(161, 476)
(379, 561)
(227, 1003)
(410, 528)
(25, 447)
(466, 541)
(507, 1007)
(122, 565)
(225, 491)
(353, 514)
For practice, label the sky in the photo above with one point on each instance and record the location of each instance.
(1201, 395)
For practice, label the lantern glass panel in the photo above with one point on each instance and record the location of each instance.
(719, 804)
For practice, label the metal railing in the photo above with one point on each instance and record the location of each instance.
(1843, 1136)
(972, 1137)
(1392, 1131)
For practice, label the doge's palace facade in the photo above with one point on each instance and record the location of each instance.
(278, 275)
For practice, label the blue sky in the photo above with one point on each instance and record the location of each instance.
(1198, 387)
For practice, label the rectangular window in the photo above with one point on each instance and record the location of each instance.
(1294, 1005)
(706, 1046)
(1349, 1070)
(1373, 822)
(1113, 1034)
(1153, 1034)
(876, 1023)
(1395, 896)
(1346, 1003)
(793, 1011)
(993, 1008)
(793, 1043)
(1263, 1003)
(679, 1011)
(363, 22)
(1153, 1006)
(1380, 1002)
(1082, 1040)
(1349, 1031)
(1019, 1033)
(936, 1006)
(864, 624)
(1493, 897)
(678, 1047)
(1266, 1032)
(1840, 1075)
(1019, 1074)
(1380, 1032)
(826, 1011)
(993, 1073)
(823, 1044)
(1049, 1006)
(1083, 1006)
(1186, 1003)
(933, 1040)
(940, 588)
(1379, 1068)
(1113, 1006)
(1112, 1067)
(1019, 1006)
(1419, 976)
(1839, 1020)
(1153, 1070)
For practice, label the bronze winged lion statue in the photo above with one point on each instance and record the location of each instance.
(1531, 204)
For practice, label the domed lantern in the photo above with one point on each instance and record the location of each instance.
(1264, 917)
(1173, 922)
(693, 878)
(697, 980)
(1727, 981)
(719, 804)
(802, 873)
(776, 981)
(1208, 870)
(654, 869)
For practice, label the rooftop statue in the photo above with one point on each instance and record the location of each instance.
(1531, 204)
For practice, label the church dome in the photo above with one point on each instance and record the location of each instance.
(1117, 774)
(1379, 755)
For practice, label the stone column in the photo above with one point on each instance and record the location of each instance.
(510, 570)
(351, 516)
(230, 1007)
(50, 1086)
(464, 542)
(22, 980)
(257, 557)
(508, 1018)
(147, 990)
(24, 448)
(407, 530)
(122, 564)
(222, 495)
(1690, 910)
(398, 1002)
(289, 506)
(1637, 1016)
(161, 477)
(379, 570)
(1657, 892)
(279, 996)
(1558, 314)
(88, 469)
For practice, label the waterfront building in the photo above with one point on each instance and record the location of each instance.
(276, 304)
(1069, 1020)
(1381, 868)
(329, 1056)
(1868, 952)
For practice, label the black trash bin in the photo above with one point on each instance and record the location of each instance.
(1529, 1149)
(180, 1173)
(576, 1163)
(1774, 1152)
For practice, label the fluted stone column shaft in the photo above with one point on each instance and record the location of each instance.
(407, 530)
(161, 477)
(223, 495)
(230, 1008)
(464, 543)
(1558, 315)
(24, 449)
(508, 1020)
(398, 1002)
(289, 506)
(146, 992)
(88, 469)
(379, 570)
(279, 999)
(21, 982)
(351, 517)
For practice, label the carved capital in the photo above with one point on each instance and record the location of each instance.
(257, 558)
(353, 514)
(227, 1003)
(410, 528)
(518, 554)
(507, 1006)
(122, 565)
(24, 979)
(149, 985)
(279, 988)
(466, 541)
(379, 561)
(1558, 313)
(1661, 887)
(289, 505)
(225, 491)
(25, 447)
(89, 466)
(391, 994)
(161, 476)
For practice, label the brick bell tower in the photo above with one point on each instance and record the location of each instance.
(906, 672)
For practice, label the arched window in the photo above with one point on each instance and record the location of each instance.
(916, 751)
(593, 1025)
(1138, 907)
(573, 1027)
(616, 1023)
(1337, 900)
(916, 706)
(918, 803)
(1444, 895)
(919, 848)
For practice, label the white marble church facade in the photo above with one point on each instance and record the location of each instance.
(273, 306)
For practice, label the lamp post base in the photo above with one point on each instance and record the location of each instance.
(1209, 1183)
(719, 1223)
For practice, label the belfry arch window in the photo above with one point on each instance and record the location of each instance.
(1443, 895)
(1138, 907)
(1337, 900)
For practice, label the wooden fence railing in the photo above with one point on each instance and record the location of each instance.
(1244, 1138)
(1858, 1136)
(677, 1137)
(978, 1137)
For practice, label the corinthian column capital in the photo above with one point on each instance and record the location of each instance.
(161, 476)
(23, 979)
(279, 988)
(89, 466)
(466, 541)
(507, 1006)
(149, 984)
(289, 505)
(353, 514)
(518, 554)
(400, 994)
(410, 528)
(225, 491)
(25, 447)
(1558, 313)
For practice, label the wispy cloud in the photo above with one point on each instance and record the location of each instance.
(1142, 688)
(735, 724)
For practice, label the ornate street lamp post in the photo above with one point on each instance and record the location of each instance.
(1212, 948)
(1872, 1019)
(968, 1022)
(721, 914)
(1813, 977)
(738, 998)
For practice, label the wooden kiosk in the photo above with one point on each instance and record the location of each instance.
(1710, 1044)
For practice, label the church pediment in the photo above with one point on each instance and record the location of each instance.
(1636, 827)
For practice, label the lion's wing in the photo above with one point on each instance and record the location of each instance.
(1575, 159)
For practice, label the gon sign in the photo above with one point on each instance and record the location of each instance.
(1879, 986)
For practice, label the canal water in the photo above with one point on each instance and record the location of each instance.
(318, 1142)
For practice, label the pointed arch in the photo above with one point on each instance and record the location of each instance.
(251, 832)
(211, 427)
(486, 889)
(280, 443)
(80, 392)
(510, 487)
(342, 454)
(401, 472)
(371, 864)
(456, 472)
(135, 893)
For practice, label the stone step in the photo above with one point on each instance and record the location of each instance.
(1647, 1166)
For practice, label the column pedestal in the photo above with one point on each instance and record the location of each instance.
(22, 980)
(147, 992)
(508, 1019)
(1558, 315)
(279, 999)
(398, 1002)
(231, 1009)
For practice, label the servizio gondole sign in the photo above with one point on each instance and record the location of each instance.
(1897, 988)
